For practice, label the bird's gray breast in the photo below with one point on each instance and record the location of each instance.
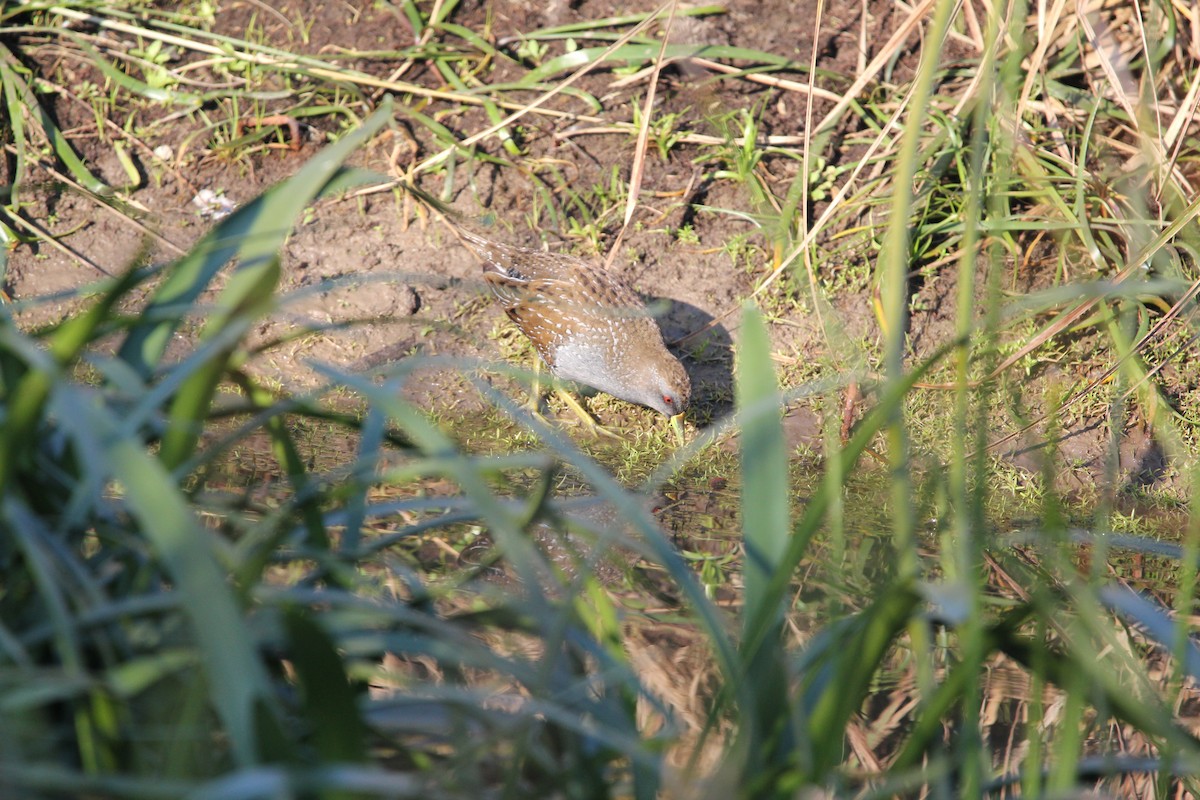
(589, 364)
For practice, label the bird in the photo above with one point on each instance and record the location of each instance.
(587, 325)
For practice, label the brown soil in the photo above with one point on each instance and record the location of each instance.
(380, 282)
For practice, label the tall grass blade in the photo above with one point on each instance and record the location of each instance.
(843, 665)
(237, 682)
(253, 234)
(58, 143)
(327, 697)
(765, 491)
(27, 386)
(765, 528)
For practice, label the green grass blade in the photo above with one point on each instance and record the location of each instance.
(472, 38)
(289, 458)
(27, 399)
(765, 491)
(253, 234)
(629, 20)
(248, 296)
(16, 125)
(765, 533)
(631, 510)
(327, 697)
(237, 682)
(893, 269)
(645, 54)
(58, 143)
(166, 95)
(849, 660)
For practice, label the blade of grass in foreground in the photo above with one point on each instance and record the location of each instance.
(765, 529)
(253, 234)
(257, 231)
(237, 682)
(764, 469)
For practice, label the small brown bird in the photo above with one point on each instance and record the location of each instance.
(588, 326)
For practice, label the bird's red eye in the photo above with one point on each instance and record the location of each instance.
(668, 399)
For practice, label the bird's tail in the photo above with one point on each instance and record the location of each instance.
(500, 259)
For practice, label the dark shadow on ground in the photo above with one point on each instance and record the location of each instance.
(706, 349)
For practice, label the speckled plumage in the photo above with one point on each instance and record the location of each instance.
(587, 325)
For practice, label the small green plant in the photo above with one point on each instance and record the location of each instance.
(664, 129)
(532, 51)
(743, 252)
(155, 57)
(687, 235)
(738, 157)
